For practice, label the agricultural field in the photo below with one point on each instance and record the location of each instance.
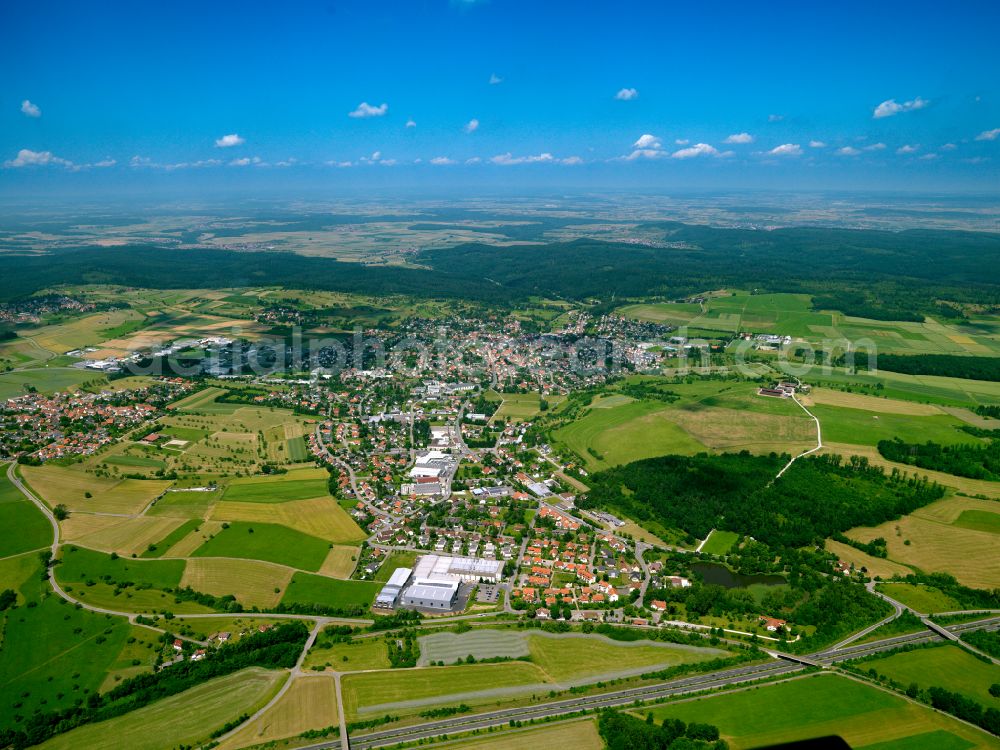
(709, 416)
(876, 566)
(183, 719)
(126, 536)
(321, 517)
(340, 562)
(397, 559)
(822, 705)
(17, 512)
(253, 583)
(309, 703)
(930, 539)
(70, 486)
(351, 656)
(792, 315)
(922, 598)
(45, 380)
(268, 542)
(269, 489)
(370, 694)
(946, 666)
(306, 588)
(580, 734)
(924, 389)
(565, 659)
(520, 407)
(52, 653)
(863, 427)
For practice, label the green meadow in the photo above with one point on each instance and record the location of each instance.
(306, 588)
(275, 490)
(269, 542)
(17, 512)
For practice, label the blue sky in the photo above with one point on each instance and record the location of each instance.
(875, 95)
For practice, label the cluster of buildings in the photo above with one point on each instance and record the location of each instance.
(433, 584)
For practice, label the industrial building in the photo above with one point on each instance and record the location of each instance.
(441, 567)
(431, 593)
(389, 594)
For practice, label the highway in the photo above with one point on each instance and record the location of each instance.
(784, 665)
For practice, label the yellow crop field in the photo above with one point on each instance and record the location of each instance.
(321, 517)
(937, 546)
(340, 562)
(833, 397)
(310, 703)
(194, 540)
(580, 735)
(876, 565)
(126, 536)
(252, 582)
(68, 486)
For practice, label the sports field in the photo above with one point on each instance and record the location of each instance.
(183, 719)
(309, 703)
(824, 705)
(268, 542)
(946, 666)
(17, 512)
(937, 543)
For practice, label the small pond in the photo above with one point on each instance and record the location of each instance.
(723, 576)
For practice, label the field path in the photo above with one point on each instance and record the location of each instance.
(819, 439)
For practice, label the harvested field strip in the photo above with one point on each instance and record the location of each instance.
(253, 583)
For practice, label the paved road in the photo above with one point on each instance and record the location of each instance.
(784, 666)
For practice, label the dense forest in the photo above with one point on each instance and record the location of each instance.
(963, 460)
(947, 365)
(815, 498)
(857, 271)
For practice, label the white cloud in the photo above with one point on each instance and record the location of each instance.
(786, 149)
(442, 161)
(817, 144)
(472, 126)
(367, 110)
(891, 107)
(698, 149)
(28, 158)
(495, 79)
(31, 110)
(989, 135)
(848, 151)
(627, 95)
(473, 160)
(949, 147)
(875, 147)
(775, 118)
(227, 141)
(245, 161)
(410, 123)
(647, 153)
(104, 163)
(928, 157)
(571, 161)
(507, 159)
(739, 138)
(388, 162)
(682, 141)
(907, 149)
(646, 140)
